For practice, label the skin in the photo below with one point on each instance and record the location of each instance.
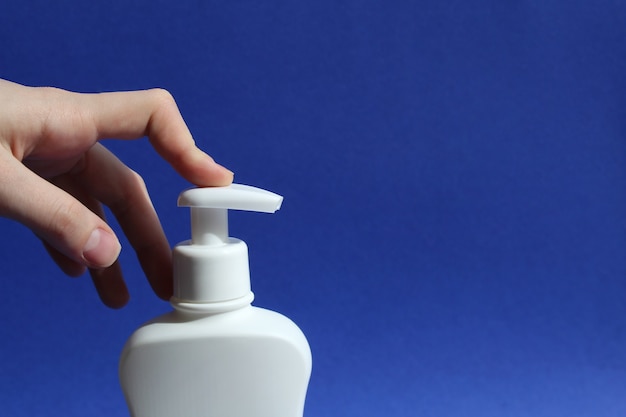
(49, 147)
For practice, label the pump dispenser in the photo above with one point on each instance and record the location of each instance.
(215, 355)
(212, 267)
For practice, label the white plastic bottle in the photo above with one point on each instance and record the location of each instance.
(215, 355)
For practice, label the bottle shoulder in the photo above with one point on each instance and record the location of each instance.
(249, 322)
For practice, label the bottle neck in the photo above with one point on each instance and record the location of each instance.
(213, 307)
(211, 273)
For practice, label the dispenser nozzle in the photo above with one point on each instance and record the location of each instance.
(209, 217)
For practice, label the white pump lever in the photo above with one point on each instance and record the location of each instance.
(209, 217)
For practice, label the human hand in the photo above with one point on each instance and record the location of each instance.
(54, 176)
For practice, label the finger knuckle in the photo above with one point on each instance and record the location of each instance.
(133, 188)
(136, 182)
(162, 97)
(60, 109)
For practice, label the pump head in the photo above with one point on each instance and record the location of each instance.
(209, 216)
(212, 267)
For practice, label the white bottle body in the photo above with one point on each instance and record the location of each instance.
(248, 362)
(215, 355)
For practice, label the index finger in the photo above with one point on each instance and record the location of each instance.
(154, 113)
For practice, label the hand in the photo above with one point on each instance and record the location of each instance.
(54, 176)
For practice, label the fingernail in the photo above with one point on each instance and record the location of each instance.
(225, 172)
(217, 165)
(229, 171)
(102, 249)
(222, 167)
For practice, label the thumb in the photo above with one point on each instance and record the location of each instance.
(55, 216)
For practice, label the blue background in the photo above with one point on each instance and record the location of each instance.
(453, 235)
